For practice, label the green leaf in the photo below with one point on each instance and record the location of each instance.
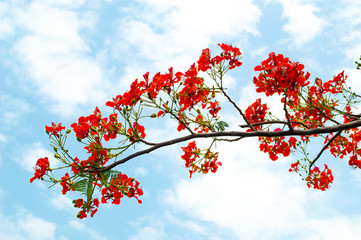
(221, 126)
(89, 190)
(80, 186)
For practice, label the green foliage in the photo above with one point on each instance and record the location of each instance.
(221, 126)
(358, 64)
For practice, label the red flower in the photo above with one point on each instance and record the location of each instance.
(65, 183)
(232, 54)
(294, 167)
(54, 129)
(320, 180)
(136, 132)
(279, 74)
(204, 62)
(120, 186)
(82, 128)
(256, 112)
(214, 108)
(41, 168)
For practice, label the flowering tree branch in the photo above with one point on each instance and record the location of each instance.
(310, 111)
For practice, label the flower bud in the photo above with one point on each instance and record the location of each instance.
(56, 155)
(79, 139)
(68, 131)
(55, 149)
(93, 129)
(153, 115)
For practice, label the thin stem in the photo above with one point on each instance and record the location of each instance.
(323, 149)
(275, 121)
(286, 112)
(239, 110)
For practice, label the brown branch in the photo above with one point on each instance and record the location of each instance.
(275, 121)
(239, 110)
(296, 132)
(286, 112)
(323, 149)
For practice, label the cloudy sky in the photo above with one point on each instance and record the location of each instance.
(61, 58)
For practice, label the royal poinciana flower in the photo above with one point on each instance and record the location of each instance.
(82, 128)
(54, 129)
(86, 207)
(136, 132)
(277, 145)
(195, 160)
(230, 53)
(41, 168)
(278, 75)
(320, 180)
(65, 183)
(121, 186)
(256, 113)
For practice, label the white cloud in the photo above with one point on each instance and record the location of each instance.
(31, 154)
(57, 58)
(3, 138)
(304, 22)
(154, 231)
(166, 30)
(353, 79)
(25, 226)
(6, 25)
(90, 233)
(141, 171)
(248, 194)
(13, 109)
(255, 198)
(62, 202)
(348, 23)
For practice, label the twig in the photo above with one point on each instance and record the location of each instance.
(276, 121)
(323, 149)
(239, 110)
(287, 116)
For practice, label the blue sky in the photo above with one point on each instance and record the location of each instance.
(61, 58)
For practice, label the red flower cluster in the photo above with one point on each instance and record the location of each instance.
(41, 168)
(82, 128)
(201, 124)
(136, 132)
(99, 155)
(256, 113)
(191, 153)
(66, 183)
(319, 180)
(86, 207)
(54, 129)
(160, 82)
(119, 187)
(230, 53)
(280, 146)
(294, 167)
(279, 74)
(193, 91)
(342, 146)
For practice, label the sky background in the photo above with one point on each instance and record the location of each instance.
(61, 58)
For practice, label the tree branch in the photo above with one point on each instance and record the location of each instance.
(323, 149)
(275, 121)
(239, 110)
(295, 132)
